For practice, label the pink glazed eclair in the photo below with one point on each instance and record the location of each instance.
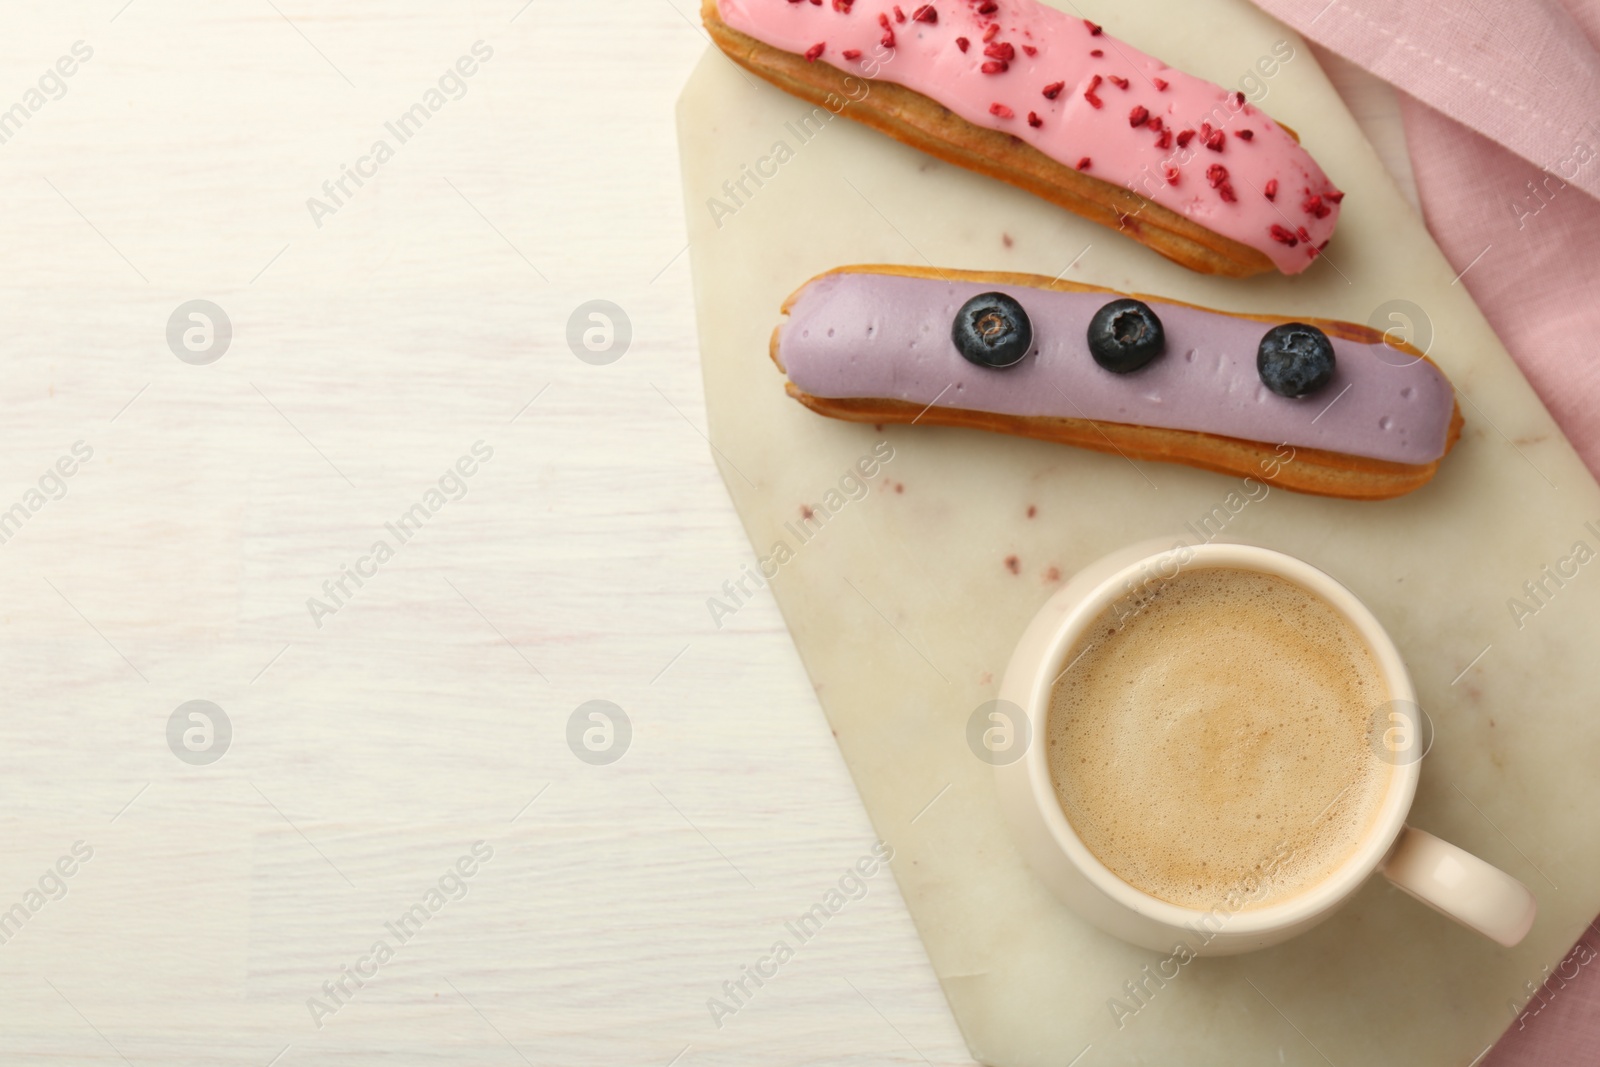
(1046, 101)
(1314, 405)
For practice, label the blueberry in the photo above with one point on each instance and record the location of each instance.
(992, 330)
(1125, 335)
(1295, 359)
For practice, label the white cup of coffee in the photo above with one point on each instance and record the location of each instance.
(1221, 745)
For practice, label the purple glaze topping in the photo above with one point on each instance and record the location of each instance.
(888, 336)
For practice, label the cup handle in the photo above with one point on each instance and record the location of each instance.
(1458, 884)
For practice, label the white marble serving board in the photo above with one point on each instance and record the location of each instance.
(904, 607)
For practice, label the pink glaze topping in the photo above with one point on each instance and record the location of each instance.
(1081, 97)
(887, 336)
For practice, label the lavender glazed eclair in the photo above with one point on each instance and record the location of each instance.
(1317, 406)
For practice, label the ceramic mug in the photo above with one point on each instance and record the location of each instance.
(1446, 878)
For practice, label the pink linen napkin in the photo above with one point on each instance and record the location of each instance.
(1529, 242)
(1500, 100)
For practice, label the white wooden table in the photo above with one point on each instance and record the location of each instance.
(377, 734)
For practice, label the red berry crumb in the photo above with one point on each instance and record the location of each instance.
(1088, 94)
(995, 67)
(1215, 141)
(1097, 53)
(1053, 90)
(851, 53)
(813, 52)
(1336, 196)
(1184, 137)
(926, 13)
(962, 43)
(1283, 236)
(1034, 120)
(1139, 115)
(1083, 164)
(1094, 31)
(1165, 140)
(1216, 174)
(1160, 84)
(990, 31)
(899, 16)
(1120, 83)
(1271, 189)
(1226, 192)
(1245, 135)
(1000, 111)
(988, 7)
(1313, 205)
(1030, 50)
(1172, 175)
(1001, 50)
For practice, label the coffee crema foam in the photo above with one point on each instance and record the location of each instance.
(1210, 744)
